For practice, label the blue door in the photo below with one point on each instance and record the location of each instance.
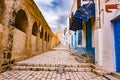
(116, 25)
(74, 41)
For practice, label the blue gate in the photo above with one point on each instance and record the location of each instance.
(116, 25)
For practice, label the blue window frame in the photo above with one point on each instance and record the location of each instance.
(79, 37)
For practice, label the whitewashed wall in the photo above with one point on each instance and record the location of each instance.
(104, 37)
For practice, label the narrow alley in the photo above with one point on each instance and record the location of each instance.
(45, 67)
(59, 39)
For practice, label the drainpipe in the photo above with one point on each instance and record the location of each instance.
(99, 14)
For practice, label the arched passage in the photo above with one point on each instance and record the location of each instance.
(41, 32)
(34, 38)
(45, 41)
(35, 29)
(1, 9)
(19, 40)
(21, 21)
(48, 38)
(45, 36)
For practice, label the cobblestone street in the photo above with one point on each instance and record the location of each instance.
(45, 67)
(59, 39)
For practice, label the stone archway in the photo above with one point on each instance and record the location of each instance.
(41, 37)
(45, 36)
(20, 36)
(1, 9)
(35, 36)
(21, 21)
(45, 42)
(41, 32)
(35, 29)
(48, 38)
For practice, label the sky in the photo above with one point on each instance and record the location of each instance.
(55, 12)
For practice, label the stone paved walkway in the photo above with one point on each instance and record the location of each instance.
(54, 58)
(48, 75)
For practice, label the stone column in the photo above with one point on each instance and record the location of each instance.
(0, 49)
(0, 39)
(28, 45)
(43, 43)
(38, 43)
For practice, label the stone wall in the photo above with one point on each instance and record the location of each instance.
(33, 42)
(18, 43)
(20, 32)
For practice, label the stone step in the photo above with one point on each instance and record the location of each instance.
(66, 69)
(115, 74)
(110, 77)
(99, 72)
(97, 67)
(32, 68)
(54, 65)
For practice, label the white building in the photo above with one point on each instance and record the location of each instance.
(105, 33)
(107, 38)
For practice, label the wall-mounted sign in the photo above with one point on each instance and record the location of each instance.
(111, 6)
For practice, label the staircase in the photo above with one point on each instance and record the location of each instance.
(85, 67)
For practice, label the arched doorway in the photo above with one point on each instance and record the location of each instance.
(21, 21)
(19, 40)
(45, 41)
(45, 36)
(35, 29)
(41, 36)
(1, 9)
(48, 38)
(34, 36)
(41, 32)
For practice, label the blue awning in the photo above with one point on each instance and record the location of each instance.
(85, 12)
(76, 24)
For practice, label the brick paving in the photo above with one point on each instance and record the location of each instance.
(54, 57)
(48, 75)
(51, 59)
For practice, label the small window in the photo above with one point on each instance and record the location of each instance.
(79, 37)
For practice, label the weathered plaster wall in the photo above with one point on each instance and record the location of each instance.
(105, 48)
(33, 41)
(18, 43)
(16, 30)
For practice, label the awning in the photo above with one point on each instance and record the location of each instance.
(85, 12)
(76, 24)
